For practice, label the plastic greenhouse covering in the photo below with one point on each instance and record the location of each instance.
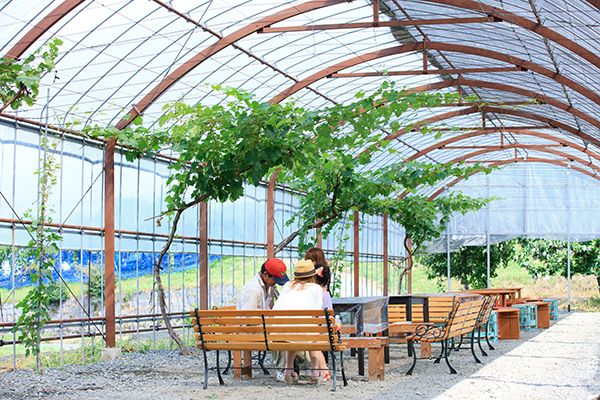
(533, 65)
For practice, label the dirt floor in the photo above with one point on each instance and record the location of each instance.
(562, 362)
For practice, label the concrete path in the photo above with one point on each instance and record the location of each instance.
(562, 362)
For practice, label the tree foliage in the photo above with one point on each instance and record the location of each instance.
(548, 257)
(468, 264)
(20, 78)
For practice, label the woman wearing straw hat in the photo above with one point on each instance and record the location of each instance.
(301, 293)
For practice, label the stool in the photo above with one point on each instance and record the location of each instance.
(553, 308)
(508, 323)
(527, 316)
(543, 314)
(492, 326)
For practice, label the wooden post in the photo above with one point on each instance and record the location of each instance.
(356, 254)
(109, 241)
(385, 256)
(271, 216)
(203, 249)
(410, 265)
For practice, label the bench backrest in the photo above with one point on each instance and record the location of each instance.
(439, 309)
(265, 330)
(486, 310)
(465, 318)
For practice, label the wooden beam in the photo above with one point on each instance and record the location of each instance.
(377, 24)
(203, 250)
(385, 256)
(356, 254)
(109, 241)
(426, 71)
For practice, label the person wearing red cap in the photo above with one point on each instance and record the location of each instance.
(259, 293)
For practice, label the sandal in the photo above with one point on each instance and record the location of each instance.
(291, 379)
(326, 377)
(315, 380)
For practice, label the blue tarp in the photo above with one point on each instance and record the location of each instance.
(128, 264)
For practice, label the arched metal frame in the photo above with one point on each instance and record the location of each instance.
(527, 132)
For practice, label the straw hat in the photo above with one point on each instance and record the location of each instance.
(304, 269)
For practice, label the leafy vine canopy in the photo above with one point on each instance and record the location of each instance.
(328, 154)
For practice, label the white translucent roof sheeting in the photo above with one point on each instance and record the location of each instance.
(121, 58)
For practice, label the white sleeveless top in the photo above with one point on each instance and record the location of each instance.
(301, 297)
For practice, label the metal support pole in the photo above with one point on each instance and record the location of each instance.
(448, 258)
(109, 241)
(356, 254)
(385, 256)
(271, 216)
(569, 275)
(488, 261)
(203, 250)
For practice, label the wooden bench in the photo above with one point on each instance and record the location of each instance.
(266, 330)
(461, 320)
(399, 328)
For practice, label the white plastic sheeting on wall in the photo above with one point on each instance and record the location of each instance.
(531, 200)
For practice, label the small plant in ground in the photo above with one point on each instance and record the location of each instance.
(40, 260)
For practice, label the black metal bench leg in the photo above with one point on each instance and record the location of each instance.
(343, 370)
(414, 355)
(228, 367)
(261, 361)
(442, 352)
(487, 338)
(457, 348)
(205, 370)
(473, 348)
(219, 370)
(483, 353)
(452, 370)
(333, 370)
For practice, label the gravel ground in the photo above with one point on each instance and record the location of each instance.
(562, 362)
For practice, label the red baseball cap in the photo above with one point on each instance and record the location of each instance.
(276, 268)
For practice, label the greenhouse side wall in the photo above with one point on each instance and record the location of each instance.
(236, 246)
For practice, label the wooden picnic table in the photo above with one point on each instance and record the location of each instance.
(503, 293)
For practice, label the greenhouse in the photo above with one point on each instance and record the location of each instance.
(249, 198)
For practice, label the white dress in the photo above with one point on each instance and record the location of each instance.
(300, 297)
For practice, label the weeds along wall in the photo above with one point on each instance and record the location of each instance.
(236, 232)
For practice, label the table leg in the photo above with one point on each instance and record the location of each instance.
(361, 362)
(376, 367)
(425, 350)
(247, 365)
(237, 365)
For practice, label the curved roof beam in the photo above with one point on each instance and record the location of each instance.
(495, 110)
(42, 27)
(551, 161)
(214, 48)
(525, 23)
(515, 146)
(508, 88)
(440, 46)
(527, 132)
